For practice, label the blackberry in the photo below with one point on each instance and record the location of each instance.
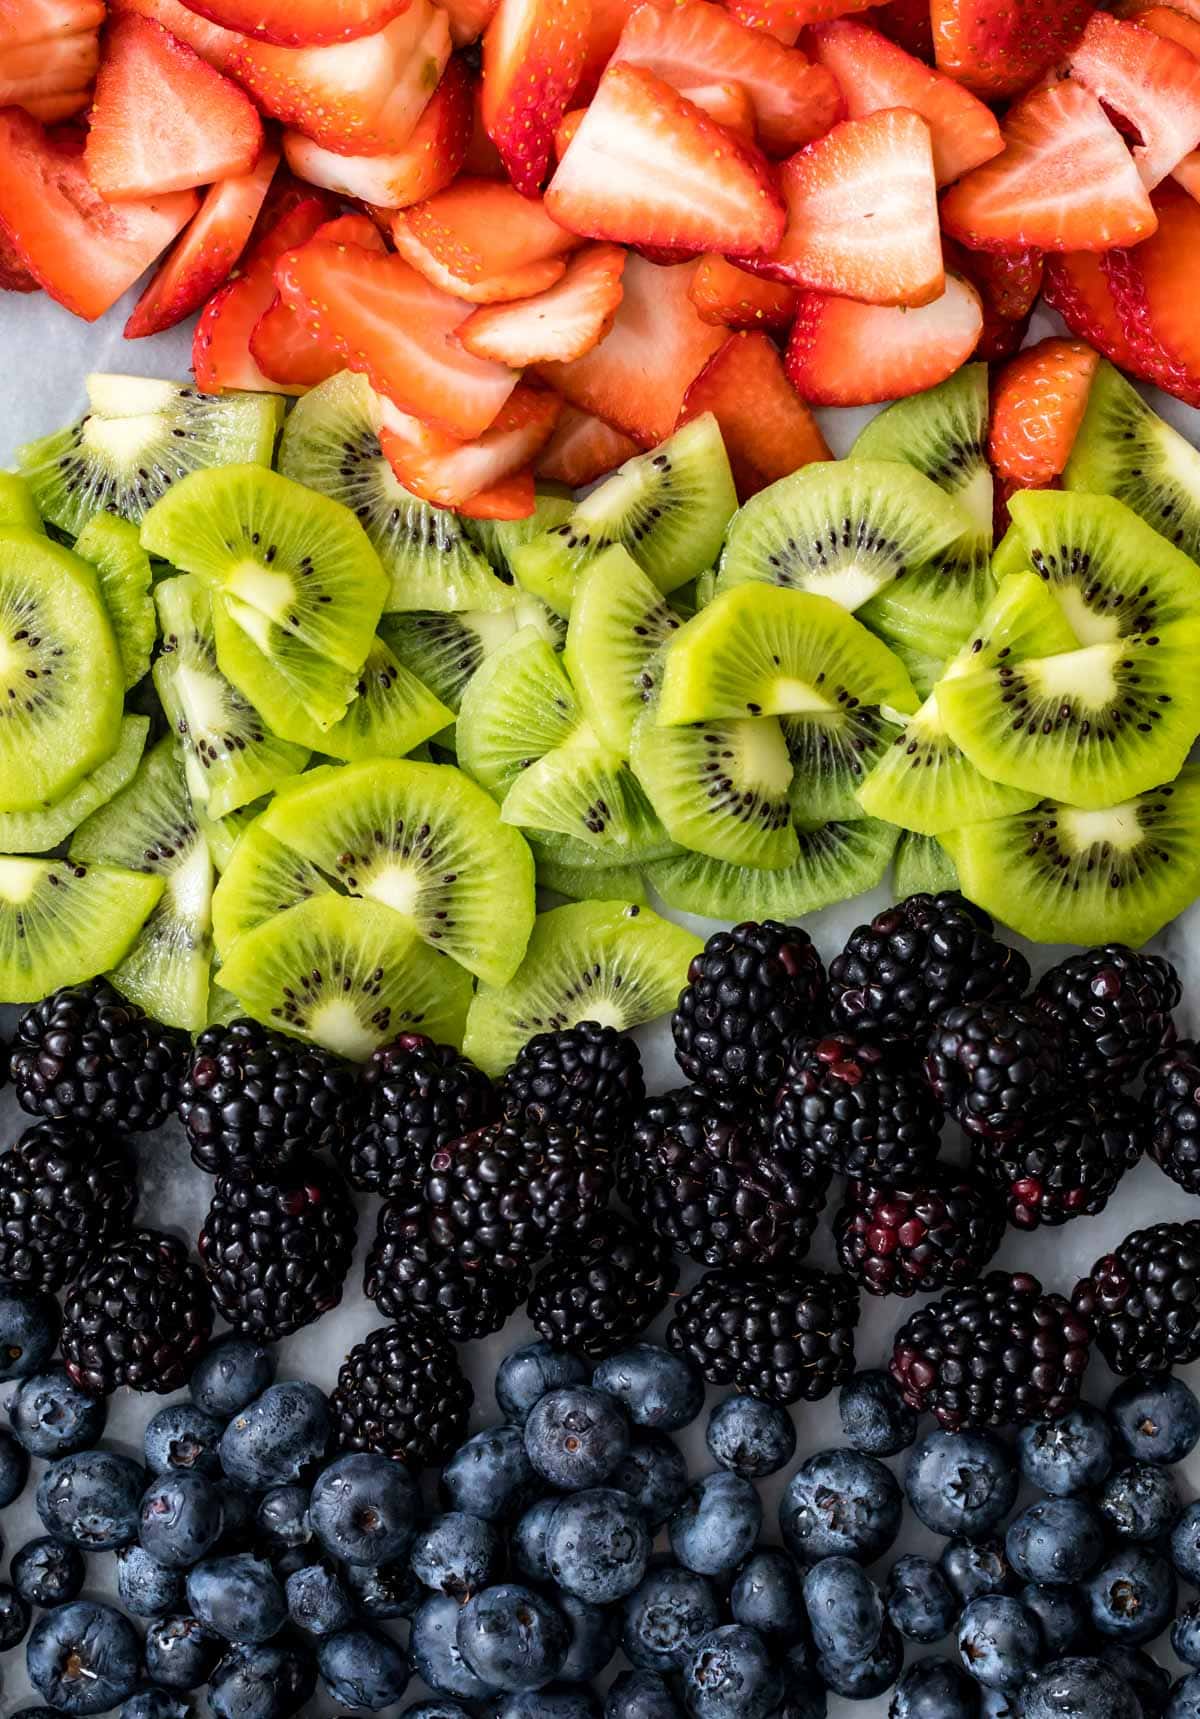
(597, 1296)
(849, 1105)
(585, 1077)
(750, 992)
(86, 1055)
(139, 1314)
(926, 954)
(998, 1068)
(65, 1191)
(401, 1391)
(1172, 1099)
(510, 1191)
(1144, 1299)
(408, 1271)
(997, 1353)
(936, 1232)
(1113, 1008)
(415, 1098)
(253, 1100)
(783, 1335)
(1068, 1165)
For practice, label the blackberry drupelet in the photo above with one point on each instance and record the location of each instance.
(849, 1105)
(276, 1253)
(253, 1100)
(998, 1068)
(783, 1335)
(936, 1232)
(1144, 1299)
(408, 1271)
(65, 1191)
(750, 992)
(586, 1077)
(1068, 1165)
(139, 1314)
(86, 1055)
(415, 1097)
(926, 954)
(401, 1391)
(1172, 1099)
(509, 1192)
(598, 1295)
(998, 1353)
(1113, 1007)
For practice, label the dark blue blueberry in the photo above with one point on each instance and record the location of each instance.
(232, 1374)
(1071, 1454)
(845, 1609)
(181, 1652)
(457, 1554)
(1131, 1598)
(654, 1474)
(29, 1327)
(183, 1436)
(862, 1679)
(261, 1681)
(731, 1675)
(154, 1704)
(598, 1545)
(278, 1437)
(92, 1498)
(804, 1695)
(1185, 1634)
(384, 1590)
(656, 1387)
(439, 1709)
(491, 1476)
(665, 1617)
(317, 1600)
(434, 1651)
(84, 1658)
(527, 1373)
(240, 1597)
(717, 1524)
(875, 1418)
(48, 1572)
(1139, 1503)
(1183, 1702)
(1157, 1417)
(974, 1568)
(51, 1416)
(239, 1509)
(1150, 1682)
(840, 1503)
(576, 1436)
(512, 1638)
(14, 1468)
(998, 1642)
(554, 1702)
(768, 1595)
(641, 1695)
(1185, 1543)
(1071, 1688)
(961, 1483)
(919, 1600)
(527, 1543)
(595, 1632)
(364, 1509)
(282, 1519)
(751, 1437)
(934, 1689)
(144, 1586)
(363, 1667)
(1061, 1616)
(1055, 1540)
(180, 1519)
(14, 1617)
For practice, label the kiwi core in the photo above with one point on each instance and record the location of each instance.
(1117, 828)
(272, 594)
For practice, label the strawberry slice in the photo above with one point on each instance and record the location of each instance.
(533, 53)
(767, 428)
(281, 343)
(24, 21)
(649, 167)
(728, 104)
(1077, 287)
(1038, 402)
(483, 241)
(14, 276)
(842, 353)
(862, 217)
(697, 43)
(908, 24)
(1151, 82)
(724, 293)
(557, 325)
(1008, 283)
(468, 19)
(874, 73)
(213, 44)
(448, 472)
(300, 23)
(606, 20)
(583, 448)
(1154, 294)
(513, 497)
(1065, 182)
(52, 76)
(84, 251)
(997, 48)
(784, 19)
(1177, 27)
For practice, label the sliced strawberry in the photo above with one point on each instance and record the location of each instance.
(1008, 283)
(52, 110)
(997, 48)
(565, 131)
(583, 448)
(482, 158)
(1065, 182)
(468, 19)
(1151, 82)
(57, 71)
(723, 293)
(1154, 293)
(448, 472)
(1076, 286)
(908, 24)
(23, 21)
(300, 23)
(1038, 402)
(533, 53)
(481, 240)
(1177, 27)
(842, 353)
(213, 44)
(767, 428)
(784, 19)
(513, 497)
(557, 325)
(606, 20)
(728, 104)
(282, 343)
(14, 276)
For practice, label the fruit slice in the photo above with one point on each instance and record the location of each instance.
(482, 241)
(842, 353)
(592, 882)
(444, 651)
(533, 54)
(501, 538)
(767, 429)
(210, 41)
(1038, 404)
(835, 861)
(390, 715)
(725, 294)
(518, 706)
(609, 961)
(998, 50)
(17, 506)
(1078, 288)
(1150, 81)
(451, 473)
(61, 923)
(830, 757)
(223, 834)
(1151, 288)
(577, 790)
(561, 323)
(720, 788)
(619, 623)
(1008, 283)
(582, 449)
(280, 344)
(37, 831)
(921, 866)
(308, 22)
(112, 547)
(260, 879)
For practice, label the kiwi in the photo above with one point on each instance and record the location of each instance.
(609, 961)
(223, 834)
(592, 882)
(62, 922)
(444, 650)
(223, 1006)
(831, 756)
(575, 789)
(498, 538)
(331, 444)
(113, 547)
(391, 713)
(17, 506)
(646, 836)
(834, 861)
(720, 788)
(518, 706)
(37, 832)
(1124, 449)
(619, 623)
(259, 879)
(140, 438)
(668, 508)
(149, 827)
(921, 866)
(346, 973)
(60, 672)
(428, 843)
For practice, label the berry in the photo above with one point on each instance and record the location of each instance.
(1184, 1699)
(781, 1336)
(1131, 1598)
(527, 1541)
(180, 1519)
(936, 1232)
(317, 1600)
(934, 1689)
(415, 1097)
(383, 1591)
(364, 1509)
(654, 1474)
(1113, 1008)
(1156, 1418)
(1139, 1503)
(457, 1554)
(1055, 1540)
(768, 1596)
(509, 1192)
(180, 1652)
(919, 1601)
(1144, 1299)
(716, 1525)
(551, 1701)
(512, 1638)
(1184, 1544)
(751, 1437)
(576, 1436)
(853, 1106)
(282, 1519)
(666, 1615)
(87, 1055)
(231, 1374)
(602, 1291)
(51, 1416)
(1172, 1098)
(974, 1568)
(875, 1418)
(29, 1330)
(1067, 1687)
(14, 1617)
(260, 1682)
(138, 1314)
(153, 1704)
(655, 1387)
(1185, 1634)
(48, 1572)
(1067, 1165)
(239, 1597)
(407, 1272)
(597, 1545)
(1071, 1453)
(491, 1476)
(961, 1483)
(1060, 1615)
(84, 1657)
(845, 1609)
(1150, 1682)
(434, 1651)
(144, 1586)
(730, 1675)
(402, 1392)
(635, 1695)
(65, 1192)
(997, 1068)
(998, 1642)
(185, 1438)
(595, 1632)
(840, 1503)
(14, 1459)
(363, 1667)
(587, 1078)
(277, 1438)
(861, 1679)
(91, 1499)
(527, 1373)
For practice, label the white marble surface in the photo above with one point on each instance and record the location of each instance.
(44, 355)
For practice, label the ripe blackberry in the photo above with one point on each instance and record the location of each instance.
(415, 1097)
(934, 1233)
(139, 1314)
(86, 1055)
(750, 992)
(585, 1077)
(401, 1391)
(992, 1355)
(713, 1185)
(511, 1191)
(1144, 1299)
(849, 1105)
(253, 1100)
(276, 1253)
(783, 1335)
(1068, 1164)
(997, 1068)
(1112, 1007)
(1172, 1099)
(408, 1271)
(65, 1192)
(600, 1294)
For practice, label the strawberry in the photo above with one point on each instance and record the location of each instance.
(997, 48)
(1154, 294)
(483, 158)
(728, 104)
(697, 43)
(606, 20)
(724, 293)
(83, 251)
(1178, 27)
(842, 353)
(208, 40)
(565, 130)
(784, 19)
(280, 342)
(562, 323)
(1038, 402)
(908, 24)
(513, 497)
(59, 70)
(481, 240)
(533, 53)
(300, 23)
(1076, 286)
(1008, 283)
(767, 429)
(468, 19)
(1150, 81)
(707, 192)
(448, 472)
(582, 449)
(874, 73)
(1065, 182)
(14, 276)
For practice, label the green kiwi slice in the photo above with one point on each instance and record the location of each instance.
(346, 973)
(17, 506)
(38, 832)
(619, 623)
(62, 922)
(223, 834)
(425, 841)
(720, 788)
(330, 443)
(592, 882)
(831, 757)
(921, 866)
(609, 961)
(444, 650)
(113, 547)
(139, 440)
(498, 538)
(518, 706)
(1061, 875)
(669, 508)
(392, 712)
(259, 879)
(1124, 449)
(576, 790)
(834, 861)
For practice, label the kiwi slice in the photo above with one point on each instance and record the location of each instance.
(113, 547)
(391, 713)
(834, 861)
(223, 834)
(1113, 874)
(17, 506)
(428, 843)
(518, 706)
(575, 789)
(592, 882)
(60, 672)
(831, 757)
(259, 879)
(444, 650)
(498, 538)
(720, 788)
(62, 922)
(1126, 450)
(609, 961)
(346, 973)
(921, 866)
(669, 508)
(619, 623)
(331, 444)
(38, 832)
(140, 438)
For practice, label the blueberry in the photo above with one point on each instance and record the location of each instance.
(664, 1618)
(364, 1509)
(875, 1418)
(1055, 1540)
(154, 1704)
(1071, 1688)
(1139, 1503)
(804, 1695)
(84, 1658)
(974, 1568)
(144, 1586)
(239, 1523)
(840, 1503)
(434, 1651)
(960, 1483)
(934, 1689)
(1185, 1543)
(862, 1679)
(730, 1675)
(555, 1702)
(527, 1544)
(595, 1632)
(240, 1597)
(768, 1595)
(512, 1638)
(29, 1327)
(1156, 1416)
(181, 1652)
(845, 1609)
(384, 1590)
(1070, 1454)
(180, 1519)
(261, 1681)
(654, 1474)
(576, 1436)
(491, 1476)
(1184, 1699)
(282, 1519)
(363, 1668)
(440, 1709)
(998, 1642)
(751, 1437)
(1150, 1682)
(527, 1373)
(655, 1387)
(92, 1498)
(317, 1600)
(598, 1545)
(14, 1617)
(51, 1416)
(232, 1374)
(48, 1572)
(1131, 1597)
(1185, 1634)
(14, 1468)
(717, 1524)
(640, 1695)
(919, 1600)
(457, 1554)
(183, 1436)
(1061, 1617)
(278, 1437)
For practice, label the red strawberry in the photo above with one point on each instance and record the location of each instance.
(706, 192)
(565, 130)
(728, 104)
(842, 353)
(1038, 402)
(562, 323)
(784, 19)
(533, 53)
(281, 343)
(1177, 27)
(468, 19)
(606, 20)
(1008, 283)
(23, 21)
(767, 428)
(481, 240)
(208, 40)
(300, 23)
(14, 276)
(483, 158)
(997, 48)
(1077, 287)
(448, 472)
(1154, 292)
(513, 497)
(1065, 182)
(582, 449)
(874, 73)
(723, 293)
(49, 78)
(1152, 83)
(908, 24)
